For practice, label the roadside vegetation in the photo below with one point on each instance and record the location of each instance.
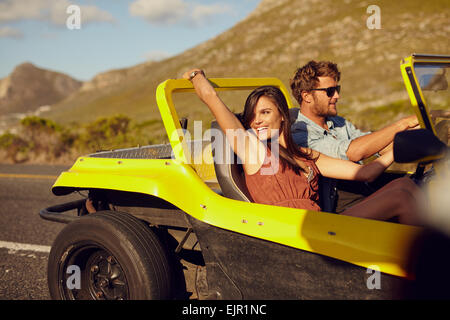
(40, 140)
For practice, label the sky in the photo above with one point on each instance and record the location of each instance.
(85, 37)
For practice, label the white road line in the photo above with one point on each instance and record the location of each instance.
(24, 247)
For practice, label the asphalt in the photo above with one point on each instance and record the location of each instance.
(24, 191)
(26, 239)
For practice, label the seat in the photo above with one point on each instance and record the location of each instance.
(229, 173)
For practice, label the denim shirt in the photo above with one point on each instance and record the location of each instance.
(333, 142)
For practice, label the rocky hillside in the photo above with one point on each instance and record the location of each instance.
(29, 87)
(278, 37)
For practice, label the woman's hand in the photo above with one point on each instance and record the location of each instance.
(191, 74)
(410, 122)
(202, 86)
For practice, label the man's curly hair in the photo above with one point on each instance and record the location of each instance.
(307, 77)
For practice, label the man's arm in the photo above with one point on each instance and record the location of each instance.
(367, 145)
(325, 144)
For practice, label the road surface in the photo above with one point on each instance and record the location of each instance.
(25, 238)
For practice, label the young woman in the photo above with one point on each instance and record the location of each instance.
(293, 180)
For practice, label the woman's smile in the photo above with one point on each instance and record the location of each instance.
(262, 132)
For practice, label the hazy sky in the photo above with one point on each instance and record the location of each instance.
(113, 33)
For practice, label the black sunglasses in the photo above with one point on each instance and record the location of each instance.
(330, 90)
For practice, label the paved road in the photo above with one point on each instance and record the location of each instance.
(24, 237)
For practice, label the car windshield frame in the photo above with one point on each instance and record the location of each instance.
(411, 70)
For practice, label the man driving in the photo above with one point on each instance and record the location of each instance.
(316, 88)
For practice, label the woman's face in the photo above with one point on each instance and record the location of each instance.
(267, 119)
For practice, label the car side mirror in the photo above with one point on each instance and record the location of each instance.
(417, 146)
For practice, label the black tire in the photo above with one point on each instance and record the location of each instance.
(118, 256)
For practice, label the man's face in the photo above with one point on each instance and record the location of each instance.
(325, 106)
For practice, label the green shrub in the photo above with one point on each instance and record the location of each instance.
(44, 140)
(34, 123)
(104, 134)
(14, 147)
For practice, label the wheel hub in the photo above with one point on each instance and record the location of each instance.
(106, 277)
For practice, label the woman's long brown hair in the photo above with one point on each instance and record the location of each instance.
(292, 150)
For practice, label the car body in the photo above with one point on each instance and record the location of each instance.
(178, 193)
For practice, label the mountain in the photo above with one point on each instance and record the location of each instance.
(29, 87)
(275, 39)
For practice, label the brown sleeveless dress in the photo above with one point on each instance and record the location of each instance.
(272, 184)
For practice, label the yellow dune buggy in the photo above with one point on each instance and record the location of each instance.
(161, 206)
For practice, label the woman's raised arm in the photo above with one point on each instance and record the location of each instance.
(242, 143)
(205, 91)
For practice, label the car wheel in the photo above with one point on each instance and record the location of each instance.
(108, 255)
